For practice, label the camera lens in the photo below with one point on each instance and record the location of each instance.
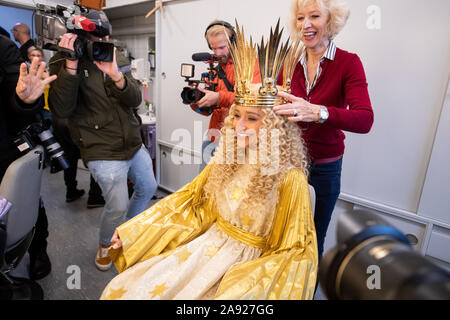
(101, 51)
(54, 149)
(373, 260)
(191, 95)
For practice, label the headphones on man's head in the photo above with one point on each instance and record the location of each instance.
(226, 25)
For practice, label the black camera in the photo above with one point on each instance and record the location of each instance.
(53, 22)
(39, 133)
(375, 261)
(191, 94)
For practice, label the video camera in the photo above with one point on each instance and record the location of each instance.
(191, 94)
(39, 133)
(375, 261)
(53, 22)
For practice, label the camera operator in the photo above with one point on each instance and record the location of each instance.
(98, 101)
(222, 98)
(21, 99)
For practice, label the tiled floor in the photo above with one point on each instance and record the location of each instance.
(72, 243)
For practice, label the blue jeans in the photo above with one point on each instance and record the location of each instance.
(208, 149)
(111, 176)
(326, 180)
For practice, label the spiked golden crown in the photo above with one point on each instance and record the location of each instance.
(271, 56)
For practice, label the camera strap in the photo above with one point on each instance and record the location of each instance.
(223, 77)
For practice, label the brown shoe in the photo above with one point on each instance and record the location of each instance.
(102, 260)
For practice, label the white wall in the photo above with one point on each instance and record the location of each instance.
(407, 71)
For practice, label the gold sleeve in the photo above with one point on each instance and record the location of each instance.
(176, 219)
(287, 269)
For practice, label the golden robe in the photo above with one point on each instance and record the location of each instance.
(186, 248)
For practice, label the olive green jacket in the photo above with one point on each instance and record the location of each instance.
(100, 115)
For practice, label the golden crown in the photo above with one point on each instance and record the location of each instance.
(271, 56)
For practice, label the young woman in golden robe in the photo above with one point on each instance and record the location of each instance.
(242, 229)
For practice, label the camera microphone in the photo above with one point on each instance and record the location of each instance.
(204, 56)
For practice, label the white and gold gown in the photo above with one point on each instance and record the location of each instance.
(183, 248)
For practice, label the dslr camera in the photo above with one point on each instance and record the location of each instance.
(190, 93)
(53, 22)
(39, 133)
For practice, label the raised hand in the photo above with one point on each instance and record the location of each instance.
(31, 83)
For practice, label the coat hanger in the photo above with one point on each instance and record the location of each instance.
(158, 5)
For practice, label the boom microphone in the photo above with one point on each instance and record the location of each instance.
(204, 56)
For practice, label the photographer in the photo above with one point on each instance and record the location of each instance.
(21, 99)
(222, 98)
(98, 101)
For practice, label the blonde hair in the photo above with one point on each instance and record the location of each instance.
(290, 153)
(337, 10)
(217, 29)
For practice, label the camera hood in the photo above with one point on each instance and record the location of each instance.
(100, 20)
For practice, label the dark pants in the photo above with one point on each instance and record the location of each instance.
(326, 180)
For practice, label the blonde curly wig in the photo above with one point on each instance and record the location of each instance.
(284, 150)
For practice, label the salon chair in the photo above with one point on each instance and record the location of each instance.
(21, 186)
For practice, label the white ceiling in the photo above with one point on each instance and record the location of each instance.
(130, 10)
(109, 3)
(32, 3)
(115, 9)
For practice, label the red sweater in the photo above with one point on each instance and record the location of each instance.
(342, 83)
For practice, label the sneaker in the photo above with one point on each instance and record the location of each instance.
(75, 194)
(102, 260)
(95, 202)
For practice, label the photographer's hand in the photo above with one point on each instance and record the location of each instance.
(112, 70)
(67, 42)
(31, 84)
(210, 99)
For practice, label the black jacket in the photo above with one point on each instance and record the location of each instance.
(14, 114)
(24, 48)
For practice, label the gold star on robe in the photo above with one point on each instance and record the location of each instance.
(211, 250)
(116, 294)
(236, 193)
(159, 290)
(246, 220)
(182, 255)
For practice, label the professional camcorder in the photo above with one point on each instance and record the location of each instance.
(39, 133)
(53, 22)
(191, 94)
(375, 261)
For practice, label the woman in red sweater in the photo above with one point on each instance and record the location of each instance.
(329, 95)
